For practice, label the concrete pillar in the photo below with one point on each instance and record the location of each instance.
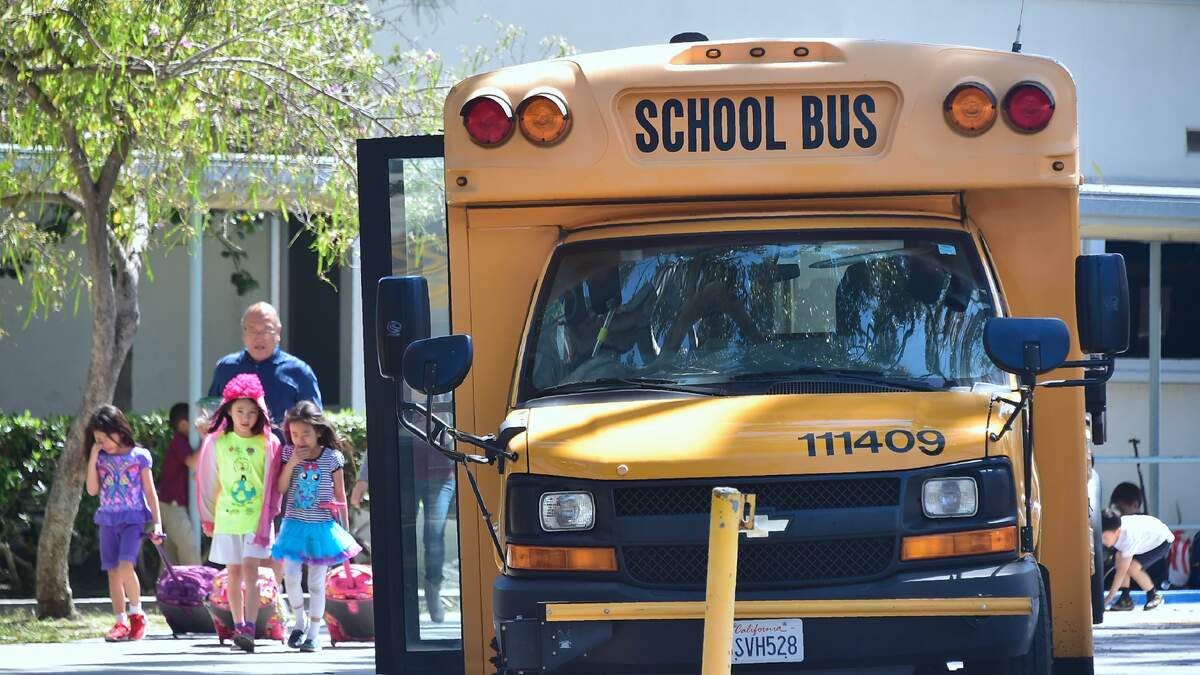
(1153, 506)
(196, 383)
(276, 251)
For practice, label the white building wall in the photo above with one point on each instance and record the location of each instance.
(1129, 418)
(43, 367)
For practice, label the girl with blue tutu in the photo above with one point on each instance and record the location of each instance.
(311, 535)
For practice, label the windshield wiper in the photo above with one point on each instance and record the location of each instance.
(647, 383)
(861, 375)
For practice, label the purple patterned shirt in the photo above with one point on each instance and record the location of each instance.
(121, 498)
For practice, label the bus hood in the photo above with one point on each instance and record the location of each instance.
(757, 435)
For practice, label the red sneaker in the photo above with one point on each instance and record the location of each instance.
(137, 626)
(119, 633)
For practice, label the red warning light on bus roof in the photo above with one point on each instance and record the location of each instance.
(488, 119)
(1028, 107)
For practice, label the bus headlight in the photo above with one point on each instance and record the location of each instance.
(950, 497)
(567, 511)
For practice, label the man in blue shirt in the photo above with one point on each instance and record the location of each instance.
(286, 379)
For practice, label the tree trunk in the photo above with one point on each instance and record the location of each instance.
(114, 323)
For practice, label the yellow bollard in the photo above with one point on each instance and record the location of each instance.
(726, 520)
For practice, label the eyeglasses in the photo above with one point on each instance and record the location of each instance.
(269, 332)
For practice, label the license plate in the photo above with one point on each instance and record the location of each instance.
(768, 641)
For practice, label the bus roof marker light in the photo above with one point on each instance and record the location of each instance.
(970, 108)
(488, 119)
(543, 118)
(1028, 106)
(713, 53)
(756, 52)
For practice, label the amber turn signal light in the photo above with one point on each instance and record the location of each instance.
(975, 542)
(543, 118)
(970, 108)
(561, 558)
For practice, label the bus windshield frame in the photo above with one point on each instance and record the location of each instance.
(687, 276)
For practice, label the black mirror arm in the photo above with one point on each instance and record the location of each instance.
(1105, 364)
(1018, 407)
(436, 429)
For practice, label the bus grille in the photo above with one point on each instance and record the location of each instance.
(782, 495)
(764, 563)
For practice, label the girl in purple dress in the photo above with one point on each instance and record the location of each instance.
(119, 472)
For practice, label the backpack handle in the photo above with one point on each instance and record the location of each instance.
(162, 554)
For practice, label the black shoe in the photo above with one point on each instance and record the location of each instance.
(244, 642)
(1123, 604)
(310, 645)
(1155, 600)
(433, 603)
(295, 638)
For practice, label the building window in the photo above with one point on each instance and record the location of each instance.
(1193, 141)
(1180, 288)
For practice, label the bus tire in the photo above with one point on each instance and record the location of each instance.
(1039, 660)
(1098, 580)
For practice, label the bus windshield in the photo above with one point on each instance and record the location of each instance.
(905, 307)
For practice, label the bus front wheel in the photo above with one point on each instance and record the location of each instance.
(1039, 660)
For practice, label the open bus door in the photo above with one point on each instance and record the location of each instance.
(402, 229)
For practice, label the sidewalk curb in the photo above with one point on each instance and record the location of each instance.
(17, 605)
(1178, 597)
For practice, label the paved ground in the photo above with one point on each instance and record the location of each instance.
(158, 652)
(1166, 640)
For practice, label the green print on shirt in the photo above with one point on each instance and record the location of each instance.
(242, 492)
(241, 472)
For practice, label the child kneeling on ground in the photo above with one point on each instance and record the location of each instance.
(1140, 542)
(312, 480)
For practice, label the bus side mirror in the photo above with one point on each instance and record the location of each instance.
(1026, 347)
(438, 365)
(401, 318)
(1102, 303)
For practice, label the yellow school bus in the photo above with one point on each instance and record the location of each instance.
(786, 266)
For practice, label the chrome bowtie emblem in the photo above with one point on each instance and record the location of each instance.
(764, 526)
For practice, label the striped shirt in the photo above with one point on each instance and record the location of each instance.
(312, 486)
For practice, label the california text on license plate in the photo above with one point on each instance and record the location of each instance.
(768, 641)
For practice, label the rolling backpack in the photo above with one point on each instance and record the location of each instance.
(350, 604)
(180, 593)
(268, 624)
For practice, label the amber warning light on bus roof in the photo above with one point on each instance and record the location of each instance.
(970, 108)
(543, 118)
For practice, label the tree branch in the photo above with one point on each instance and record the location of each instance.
(115, 160)
(231, 63)
(79, 158)
(61, 197)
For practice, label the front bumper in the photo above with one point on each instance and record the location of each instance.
(903, 635)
